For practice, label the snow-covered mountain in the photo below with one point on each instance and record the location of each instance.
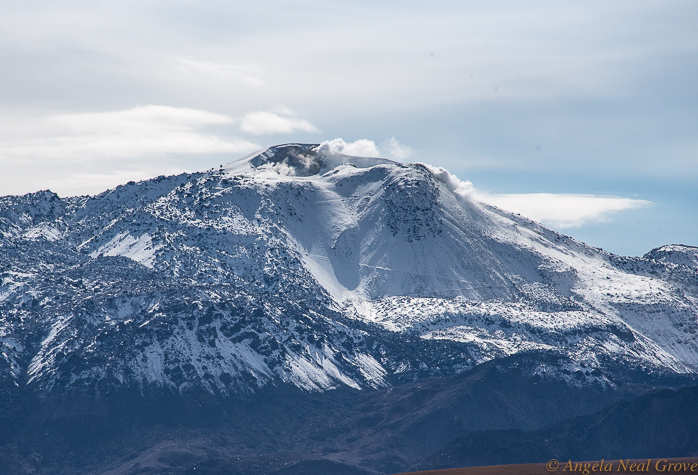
(302, 266)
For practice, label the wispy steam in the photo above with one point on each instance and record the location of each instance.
(358, 148)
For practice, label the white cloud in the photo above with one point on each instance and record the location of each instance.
(135, 132)
(395, 150)
(249, 75)
(358, 148)
(563, 210)
(267, 123)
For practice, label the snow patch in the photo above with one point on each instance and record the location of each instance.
(141, 249)
(45, 231)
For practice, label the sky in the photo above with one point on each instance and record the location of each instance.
(581, 115)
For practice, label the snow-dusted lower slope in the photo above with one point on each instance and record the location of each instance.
(298, 265)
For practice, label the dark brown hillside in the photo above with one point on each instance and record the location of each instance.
(655, 466)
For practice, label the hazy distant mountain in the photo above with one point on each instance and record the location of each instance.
(656, 425)
(298, 267)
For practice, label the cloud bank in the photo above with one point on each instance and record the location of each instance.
(143, 131)
(135, 132)
(563, 210)
(85, 153)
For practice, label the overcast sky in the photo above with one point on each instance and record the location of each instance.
(583, 115)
